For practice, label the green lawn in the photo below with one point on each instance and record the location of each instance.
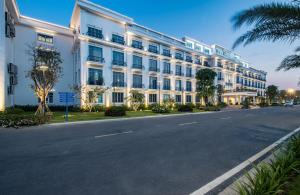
(84, 116)
(295, 187)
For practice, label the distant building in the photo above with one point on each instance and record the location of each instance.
(104, 48)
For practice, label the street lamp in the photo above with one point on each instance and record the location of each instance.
(43, 67)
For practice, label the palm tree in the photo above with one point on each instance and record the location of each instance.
(271, 22)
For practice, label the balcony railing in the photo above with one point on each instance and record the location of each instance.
(167, 88)
(99, 82)
(95, 35)
(119, 84)
(206, 64)
(179, 88)
(138, 85)
(152, 50)
(154, 69)
(168, 54)
(138, 66)
(116, 40)
(167, 72)
(189, 89)
(189, 60)
(137, 46)
(153, 86)
(198, 62)
(119, 63)
(179, 74)
(95, 59)
(179, 57)
(189, 75)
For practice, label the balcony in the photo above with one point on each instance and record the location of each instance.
(167, 72)
(188, 59)
(99, 82)
(167, 88)
(189, 89)
(167, 54)
(178, 57)
(153, 86)
(189, 75)
(119, 63)
(95, 59)
(206, 64)
(138, 86)
(179, 74)
(153, 50)
(138, 46)
(179, 88)
(93, 34)
(138, 66)
(220, 65)
(198, 62)
(154, 69)
(119, 84)
(117, 40)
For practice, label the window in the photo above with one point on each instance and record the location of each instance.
(137, 62)
(179, 56)
(153, 49)
(95, 54)
(188, 99)
(178, 98)
(220, 76)
(117, 97)
(152, 82)
(178, 70)
(100, 99)
(45, 38)
(188, 71)
(166, 52)
(152, 98)
(118, 39)
(167, 84)
(188, 86)
(197, 99)
(118, 79)
(137, 81)
(94, 32)
(118, 58)
(189, 59)
(153, 65)
(95, 77)
(166, 97)
(178, 85)
(137, 44)
(167, 68)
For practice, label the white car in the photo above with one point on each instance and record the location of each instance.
(289, 104)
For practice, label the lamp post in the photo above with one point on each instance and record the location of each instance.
(291, 92)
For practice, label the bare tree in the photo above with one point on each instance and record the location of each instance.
(45, 73)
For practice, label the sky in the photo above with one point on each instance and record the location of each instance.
(204, 20)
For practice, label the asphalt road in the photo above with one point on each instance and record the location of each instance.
(169, 155)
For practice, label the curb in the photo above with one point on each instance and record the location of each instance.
(206, 189)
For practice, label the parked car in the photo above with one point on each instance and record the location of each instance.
(289, 104)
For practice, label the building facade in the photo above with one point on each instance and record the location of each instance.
(102, 48)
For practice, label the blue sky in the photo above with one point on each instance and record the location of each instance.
(206, 20)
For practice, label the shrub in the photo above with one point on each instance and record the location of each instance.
(222, 105)
(275, 104)
(98, 108)
(115, 111)
(17, 120)
(185, 108)
(263, 104)
(160, 109)
(246, 104)
(53, 108)
(210, 108)
(14, 111)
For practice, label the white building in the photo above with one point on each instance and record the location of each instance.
(104, 48)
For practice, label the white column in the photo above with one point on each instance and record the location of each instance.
(2, 57)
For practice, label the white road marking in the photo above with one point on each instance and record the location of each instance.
(213, 184)
(225, 118)
(188, 123)
(113, 134)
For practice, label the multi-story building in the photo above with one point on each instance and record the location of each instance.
(102, 48)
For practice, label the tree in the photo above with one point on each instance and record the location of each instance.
(272, 92)
(220, 92)
(205, 84)
(136, 99)
(271, 22)
(169, 103)
(88, 96)
(45, 73)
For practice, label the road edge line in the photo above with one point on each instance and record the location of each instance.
(221, 179)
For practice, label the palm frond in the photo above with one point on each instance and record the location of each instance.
(275, 21)
(290, 62)
(297, 49)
